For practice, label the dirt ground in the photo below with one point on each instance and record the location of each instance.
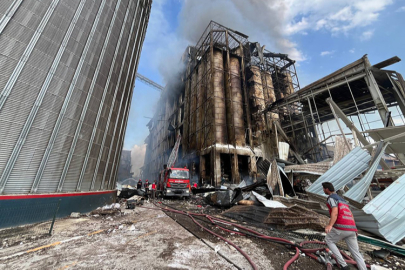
(151, 239)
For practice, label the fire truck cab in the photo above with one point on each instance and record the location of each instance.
(174, 182)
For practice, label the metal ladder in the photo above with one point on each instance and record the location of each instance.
(173, 154)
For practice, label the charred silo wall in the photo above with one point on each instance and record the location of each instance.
(201, 93)
(234, 104)
(268, 88)
(289, 88)
(193, 110)
(256, 97)
(217, 94)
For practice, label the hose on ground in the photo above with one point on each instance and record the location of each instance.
(190, 215)
(252, 233)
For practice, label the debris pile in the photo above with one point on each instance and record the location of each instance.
(111, 209)
(296, 217)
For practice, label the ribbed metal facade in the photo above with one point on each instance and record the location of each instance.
(67, 71)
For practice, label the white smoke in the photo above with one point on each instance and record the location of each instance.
(271, 22)
(137, 158)
(262, 21)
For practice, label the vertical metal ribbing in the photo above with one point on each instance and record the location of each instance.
(62, 112)
(122, 100)
(23, 60)
(128, 101)
(86, 103)
(9, 14)
(46, 84)
(125, 119)
(100, 108)
(11, 82)
(114, 98)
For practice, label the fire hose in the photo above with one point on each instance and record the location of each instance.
(324, 254)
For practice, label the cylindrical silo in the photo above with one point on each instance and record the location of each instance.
(64, 96)
(186, 120)
(289, 88)
(193, 110)
(256, 97)
(268, 88)
(236, 128)
(200, 104)
(218, 96)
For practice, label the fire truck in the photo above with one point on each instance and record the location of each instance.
(174, 181)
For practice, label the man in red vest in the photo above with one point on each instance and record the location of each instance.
(341, 227)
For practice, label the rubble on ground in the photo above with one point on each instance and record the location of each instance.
(111, 209)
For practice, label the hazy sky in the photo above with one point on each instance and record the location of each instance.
(322, 35)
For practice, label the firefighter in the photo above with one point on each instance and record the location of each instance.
(139, 185)
(153, 190)
(146, 186)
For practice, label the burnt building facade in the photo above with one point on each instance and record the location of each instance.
(217, 105)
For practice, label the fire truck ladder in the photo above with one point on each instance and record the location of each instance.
(173, 154)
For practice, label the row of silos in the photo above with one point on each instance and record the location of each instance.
(215, 104)
(214, 98)
(261, 95)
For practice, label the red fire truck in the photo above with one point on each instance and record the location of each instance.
(174, 181)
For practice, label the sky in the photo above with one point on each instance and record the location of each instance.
(321, 35)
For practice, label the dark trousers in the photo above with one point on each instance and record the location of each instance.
(146, 192)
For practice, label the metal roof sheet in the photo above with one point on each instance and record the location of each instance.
(314, 168)
(359, 190)
(397, 145)
(349, 167)
(388, 208)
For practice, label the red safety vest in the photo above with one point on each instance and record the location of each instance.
(195, 185)
(345, 220)
(153, 186)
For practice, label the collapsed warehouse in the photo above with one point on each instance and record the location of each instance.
(241, 115)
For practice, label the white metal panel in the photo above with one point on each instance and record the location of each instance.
(349, 167)
(388, 208)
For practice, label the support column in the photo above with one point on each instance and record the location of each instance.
(253, 167)
(235, 169)
(376, 93)
(202, 170)
(216, 165)
(398, 95)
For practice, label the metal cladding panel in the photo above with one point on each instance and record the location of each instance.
(396, 145)
(45, 80)
(349, 167)
(358, 191)
(4, 6)
(388, 208)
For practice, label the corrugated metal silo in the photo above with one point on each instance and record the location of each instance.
(67, 71)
